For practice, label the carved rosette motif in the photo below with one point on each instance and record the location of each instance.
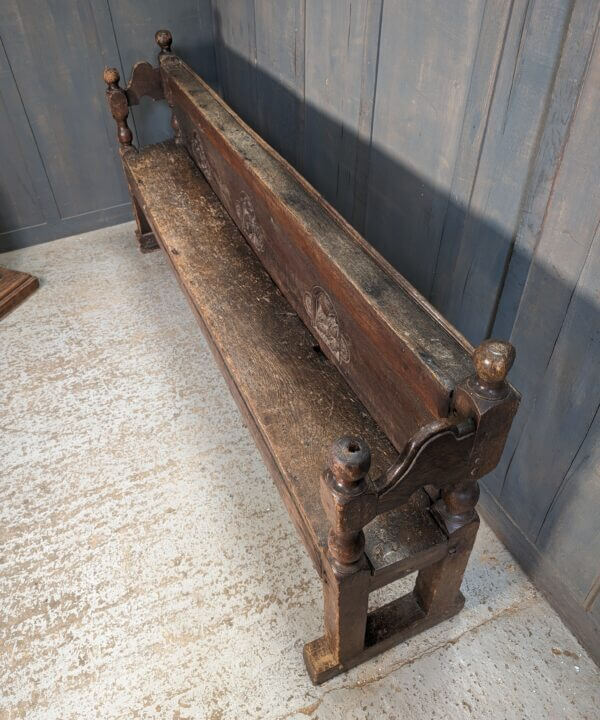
(199, 153)
(324, 319)
(248, 222)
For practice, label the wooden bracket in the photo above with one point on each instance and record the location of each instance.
(145, 81)
(437, 455)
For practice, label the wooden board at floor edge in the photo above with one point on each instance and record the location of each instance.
(15, 287)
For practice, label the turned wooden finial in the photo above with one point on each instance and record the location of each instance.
(350, 460)
(492, 360)
(164, 39)
(119, 107)
(348, 501)
(111, 78)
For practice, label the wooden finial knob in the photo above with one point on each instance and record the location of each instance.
(350, 460)
(493, 359)
(111, 77)
(163, 40)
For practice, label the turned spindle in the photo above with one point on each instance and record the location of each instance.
(348, 501)
(164, 40)
(119, 108)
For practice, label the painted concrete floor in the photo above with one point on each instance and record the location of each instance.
(140, 577)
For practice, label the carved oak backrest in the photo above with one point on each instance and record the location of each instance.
(398, 354)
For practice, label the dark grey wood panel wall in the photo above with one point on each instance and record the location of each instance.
(460, 138)
(59, 172)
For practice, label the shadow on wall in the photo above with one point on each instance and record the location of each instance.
(460, 261)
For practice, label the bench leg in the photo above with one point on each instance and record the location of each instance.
(143, 231)
(352, 635)
(346, 602)
(438, 586)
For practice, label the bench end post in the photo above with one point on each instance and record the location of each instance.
(349, 503)
(164, 40)
(119, 108)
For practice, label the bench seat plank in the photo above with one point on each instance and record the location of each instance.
(295, 400)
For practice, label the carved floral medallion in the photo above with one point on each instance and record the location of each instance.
(248, 222)
(324, 319)
(200, 156)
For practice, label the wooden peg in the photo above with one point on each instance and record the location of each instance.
(493, 360)
(164, 40)
(119, 108)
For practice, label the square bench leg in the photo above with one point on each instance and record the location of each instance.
(346, 598)
(143, 232)
(438, 586)
(352, 635)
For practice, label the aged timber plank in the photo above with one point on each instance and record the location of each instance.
(296, 401)
(368, 319)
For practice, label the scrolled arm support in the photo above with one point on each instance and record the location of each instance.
(450, 455)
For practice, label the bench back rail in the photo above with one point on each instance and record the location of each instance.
(394, 350)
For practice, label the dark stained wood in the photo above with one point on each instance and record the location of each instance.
(119, 108)
(145, 81)
(323, 347)
(368, 320)
(297, 401)
(438, 455)
(15, 287)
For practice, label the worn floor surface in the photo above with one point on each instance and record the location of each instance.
(147, 566)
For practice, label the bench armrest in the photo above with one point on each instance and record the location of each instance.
(448, 456)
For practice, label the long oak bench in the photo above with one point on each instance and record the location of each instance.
(374, 415)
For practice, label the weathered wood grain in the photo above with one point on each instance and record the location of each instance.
(235, 49)
(553, 285)
(26, 198)
(573, 64)
(44, 64)
(570, 533)
(567, 416)
(470, 279)
(280, 66)
(295, 400)
(322, 266)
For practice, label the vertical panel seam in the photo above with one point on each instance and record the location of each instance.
(372, 119)
(481, 144)
(302, 109)
(121, 65)
(567, 476)
(213, 43)
(565, 142)
(35, 142)
(592, 596)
